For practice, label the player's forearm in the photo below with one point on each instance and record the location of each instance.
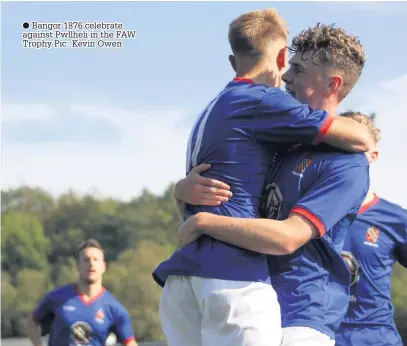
(33, 331)
(349, 135)
(265, 236)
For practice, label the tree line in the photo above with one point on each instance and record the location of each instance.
(40, 233)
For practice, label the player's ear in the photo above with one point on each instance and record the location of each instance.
(375, 155)
(282, 59)
(232, 61)
(335, 84)
(372, 155)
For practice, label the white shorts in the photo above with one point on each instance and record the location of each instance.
(305, 336)
(210, 312)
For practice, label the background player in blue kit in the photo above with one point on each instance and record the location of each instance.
(219, 294)
(317, 192)
(83, 313)
(376, 239)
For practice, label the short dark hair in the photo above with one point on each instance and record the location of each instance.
(89, 243)
(338, 50)
(248, 31)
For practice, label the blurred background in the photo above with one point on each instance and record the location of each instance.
(92, 139)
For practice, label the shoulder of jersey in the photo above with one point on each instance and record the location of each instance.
(328, 153)
(61, 290)
(111, 297)
(358, 159)
(325, 148)
(251, 92)
(392, 209)
(272, 90)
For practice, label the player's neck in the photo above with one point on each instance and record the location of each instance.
(369, 197)
(259, 76)
(89, 291)
(327, 104)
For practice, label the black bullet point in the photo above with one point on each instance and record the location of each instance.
(26, 25)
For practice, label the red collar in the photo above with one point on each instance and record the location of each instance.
(90, 301)
(240, 79)
(369, 205)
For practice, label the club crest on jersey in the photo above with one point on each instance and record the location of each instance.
(302, 166)
(81, 334)
(372, 236)
(100, 316)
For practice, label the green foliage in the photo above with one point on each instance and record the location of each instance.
(23, 244)
(40, 234)
(65, 273)
(8, 302)
(28, 200)
(140, 296)
(399, 298)
(31, 286)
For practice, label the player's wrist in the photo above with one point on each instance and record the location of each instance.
(202, 222)
(181, 191)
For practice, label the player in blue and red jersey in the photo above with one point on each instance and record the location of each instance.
(216, 293)
(375, 241)
(315, 195)
(83, 313)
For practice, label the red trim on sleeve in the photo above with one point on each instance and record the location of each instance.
(132, 338)
(311, 218)
(240, 79)
(323, 130)
(366, 206)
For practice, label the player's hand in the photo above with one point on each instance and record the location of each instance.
(188, 232)
(197, 190)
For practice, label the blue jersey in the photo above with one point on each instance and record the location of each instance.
(326, 187)
(375, 241)
(76, 322)
(238, 134)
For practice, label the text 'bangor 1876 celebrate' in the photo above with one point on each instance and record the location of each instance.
(74, 34)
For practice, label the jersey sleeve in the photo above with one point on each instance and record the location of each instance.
(44, 310)
(123, 327)
(339, 191)
(401, 247)
(281, 118)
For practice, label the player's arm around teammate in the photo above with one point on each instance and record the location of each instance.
(312, 288)
(278, 237)
(288, 235)
(239, 129)
(342, 132)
